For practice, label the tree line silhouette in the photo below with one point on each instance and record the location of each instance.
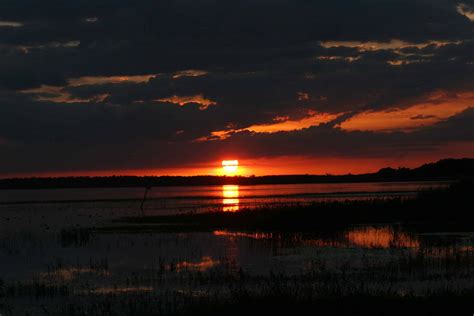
(446, 169)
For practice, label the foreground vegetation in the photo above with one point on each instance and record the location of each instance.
(363, 257)
(415, 282)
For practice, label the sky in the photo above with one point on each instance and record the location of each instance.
(102, 87)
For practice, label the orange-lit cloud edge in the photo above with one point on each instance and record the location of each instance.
(59, 94)
(409, 116)
(435, 107)
(425, 111)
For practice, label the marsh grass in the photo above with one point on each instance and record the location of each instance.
(428, 280)
(449, 208)
(394, 277)
(75, 237)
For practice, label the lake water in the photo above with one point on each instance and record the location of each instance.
(48, 255)
(226, 197)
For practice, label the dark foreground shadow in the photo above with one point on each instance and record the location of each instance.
(358, 305)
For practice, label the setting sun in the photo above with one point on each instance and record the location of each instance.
(230, 166)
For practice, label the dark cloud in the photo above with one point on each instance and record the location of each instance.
(255, 58)
(317, 141)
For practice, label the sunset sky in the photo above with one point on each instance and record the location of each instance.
(91, 87)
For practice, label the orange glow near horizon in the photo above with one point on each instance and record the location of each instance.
(281, 165)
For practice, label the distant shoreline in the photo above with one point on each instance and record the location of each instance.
(97, 183)
(443, 170)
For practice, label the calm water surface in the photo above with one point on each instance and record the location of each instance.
(47, 242)
(226, 197)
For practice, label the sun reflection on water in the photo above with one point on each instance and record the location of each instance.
(255, 235)
(206, 263)
(381, 237)
(122, 290)
(230, 198)
(359, 237)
